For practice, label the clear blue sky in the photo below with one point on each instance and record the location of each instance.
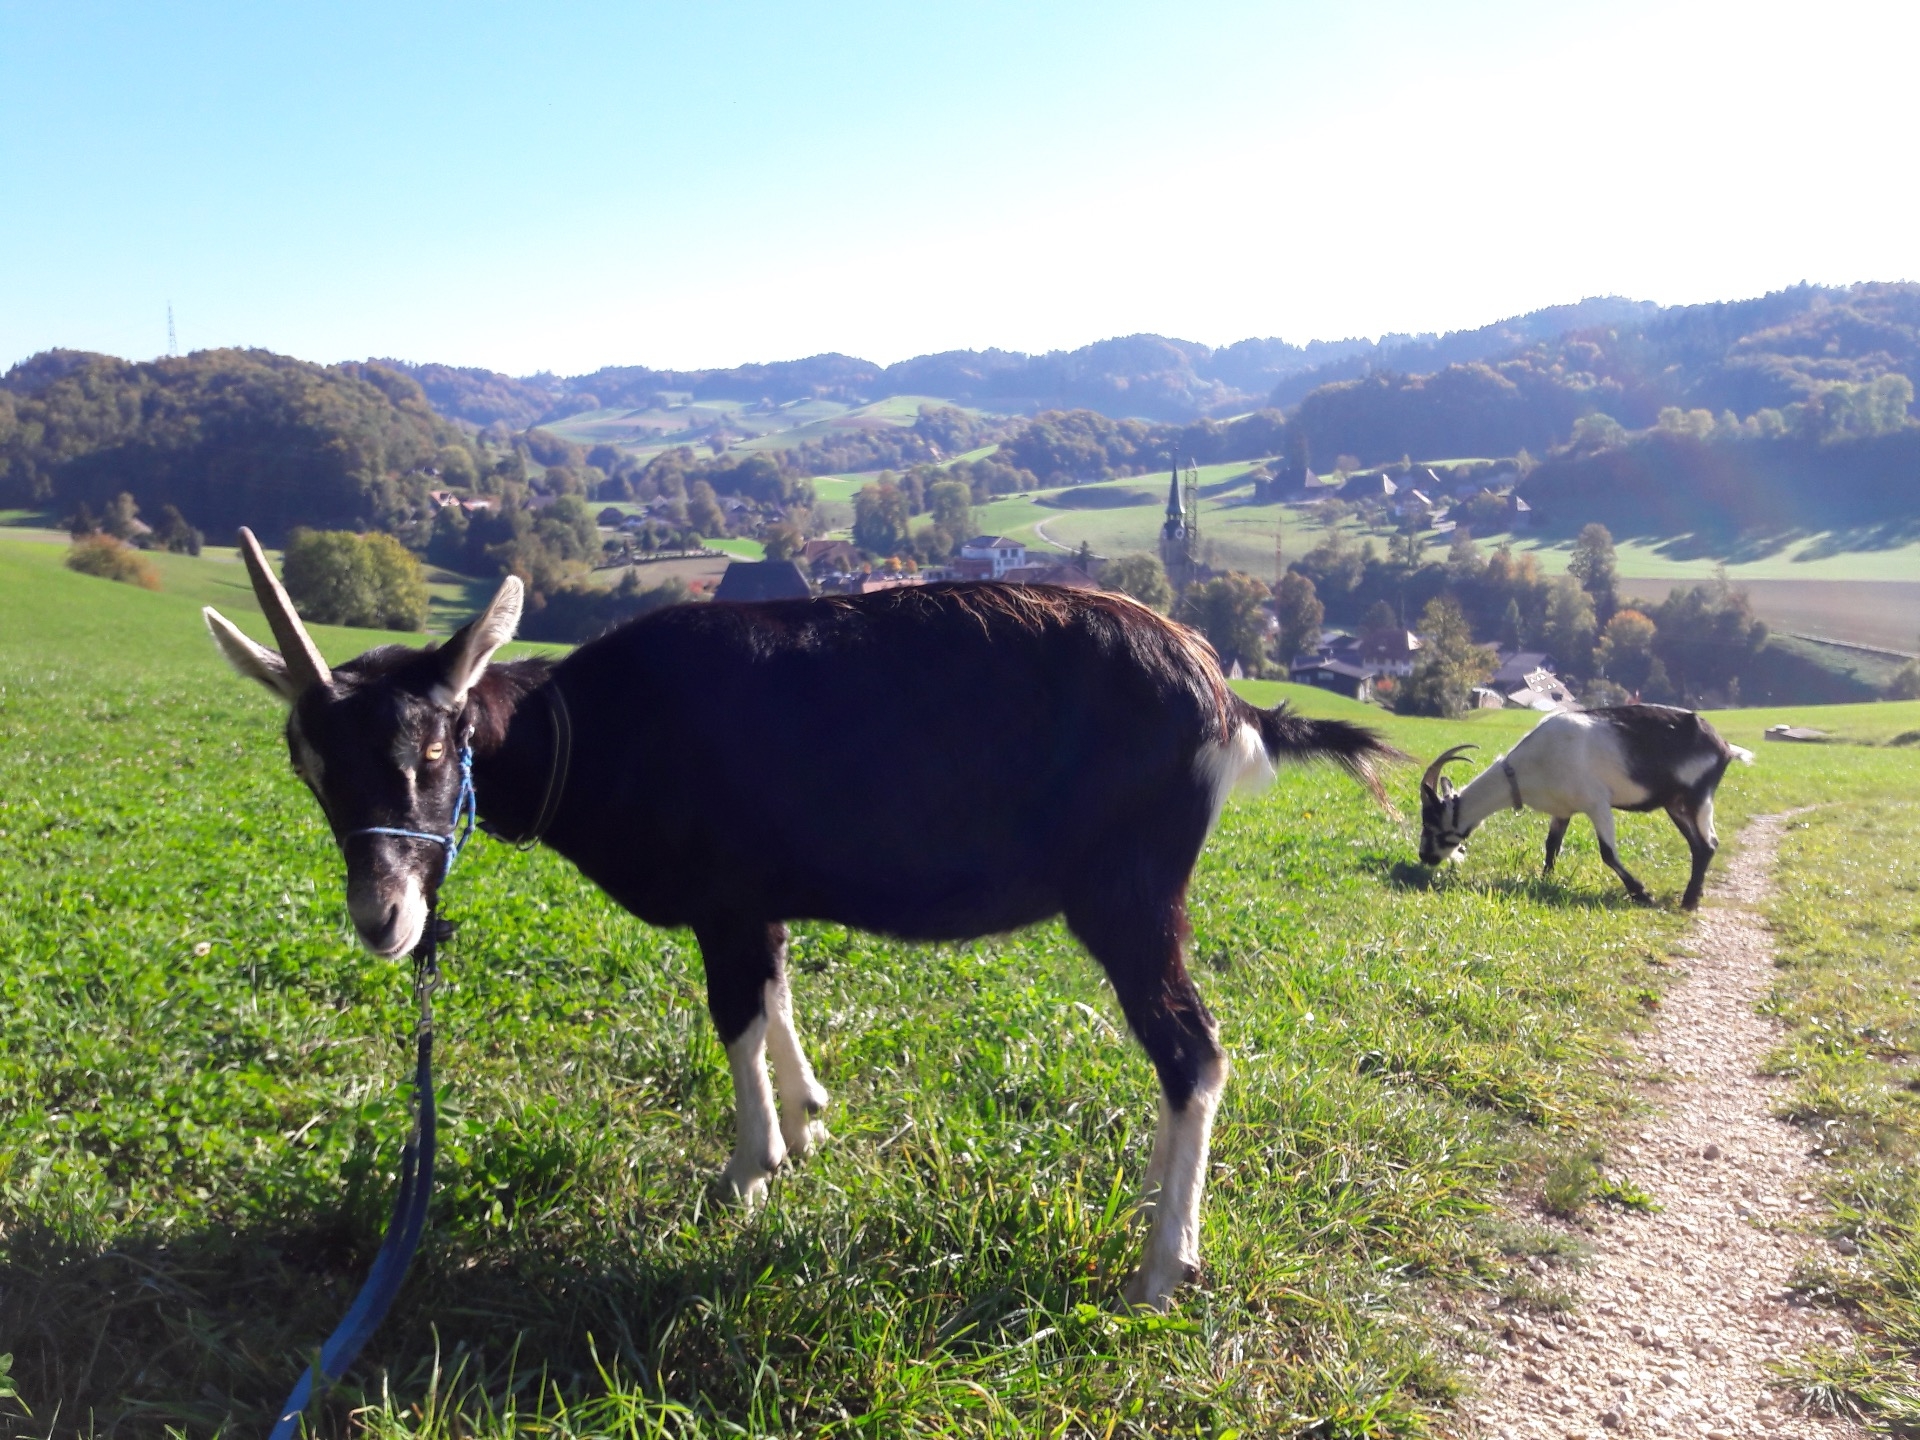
(564, 186)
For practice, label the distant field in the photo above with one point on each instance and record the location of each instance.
(216, 577)
(648, 430)
(1881, 613)
(1813, 557)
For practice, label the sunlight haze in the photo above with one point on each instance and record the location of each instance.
(532, 188)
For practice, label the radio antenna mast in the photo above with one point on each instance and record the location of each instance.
(173, 345)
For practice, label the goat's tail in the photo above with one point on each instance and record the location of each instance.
(1354, 748)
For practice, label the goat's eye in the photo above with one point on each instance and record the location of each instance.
(436, 749)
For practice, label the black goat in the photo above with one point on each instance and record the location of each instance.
(688, 762)
(1592, 762)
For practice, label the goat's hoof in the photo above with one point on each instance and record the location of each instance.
(804, 1138)
(1640, 897)
(746, 1184)
(1155, 1292)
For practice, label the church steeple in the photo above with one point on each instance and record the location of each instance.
(1176, 526)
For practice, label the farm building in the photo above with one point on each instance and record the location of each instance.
(1516, 665)
(763, 580)
(1388, 652)
(1340, 677)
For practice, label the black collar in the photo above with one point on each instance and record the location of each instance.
(1513, 782)
(557, 772)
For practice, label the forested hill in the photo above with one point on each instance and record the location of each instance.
(228, 437)
(1518, 383)
(1146, 377)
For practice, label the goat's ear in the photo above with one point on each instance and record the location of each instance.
(465, 655)
(256, 662)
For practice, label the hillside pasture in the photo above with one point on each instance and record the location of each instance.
(201, 1095)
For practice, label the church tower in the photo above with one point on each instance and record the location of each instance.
(1173, 534)
(1179, 534)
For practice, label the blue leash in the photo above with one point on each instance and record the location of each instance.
(409, 1216)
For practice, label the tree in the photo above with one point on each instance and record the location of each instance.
(1905, 684)
(1512, 628)
(1379, 616)
(703, 509)
(1625, 652)
(950, 503)
(1336, 566)
(118, 518)
(338, 578)
(402, 584)
(1297, 607)
(1141, 576)
(880, 519)
(1447, 666)
(1704, 636)
(1463, 557)
(1227, 610)
(1570, 628)
(1409, 544)
(175, 534)
(1592, 564)
(1598, 431)
(782, 541)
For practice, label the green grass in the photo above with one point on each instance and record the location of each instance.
(217, 577)
(200, 1101)
(1849, 935)
(737, 545)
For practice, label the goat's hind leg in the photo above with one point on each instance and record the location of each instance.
(802, 1099)
(1694, 820)
(1141, 953)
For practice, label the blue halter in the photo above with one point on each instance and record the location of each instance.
(466, 810)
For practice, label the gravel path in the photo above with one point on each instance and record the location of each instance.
(1679, 1311)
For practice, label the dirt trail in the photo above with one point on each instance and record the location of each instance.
(1680, 1311)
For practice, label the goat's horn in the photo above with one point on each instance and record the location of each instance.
(296, 646)
(1432, 777)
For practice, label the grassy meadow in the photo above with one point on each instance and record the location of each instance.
(201, 1100)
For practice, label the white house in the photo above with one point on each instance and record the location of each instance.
(998, 551)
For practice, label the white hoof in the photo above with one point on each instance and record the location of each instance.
(746, 1184)
(1147, 1290)
(804, 1137)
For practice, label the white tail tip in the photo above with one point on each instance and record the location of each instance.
(1745, 757)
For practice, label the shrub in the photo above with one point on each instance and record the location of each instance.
(338, 578)
(108, 558)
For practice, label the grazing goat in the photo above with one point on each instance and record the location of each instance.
(698, 764)
(1591, 762)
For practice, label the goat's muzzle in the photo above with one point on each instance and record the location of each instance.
(389, 910)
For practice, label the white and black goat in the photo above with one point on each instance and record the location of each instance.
(697, 764)
(1591, 762)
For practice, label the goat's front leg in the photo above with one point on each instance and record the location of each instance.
(740, 963)
(1556, 832)
(1603, 831)
(801, 1097)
